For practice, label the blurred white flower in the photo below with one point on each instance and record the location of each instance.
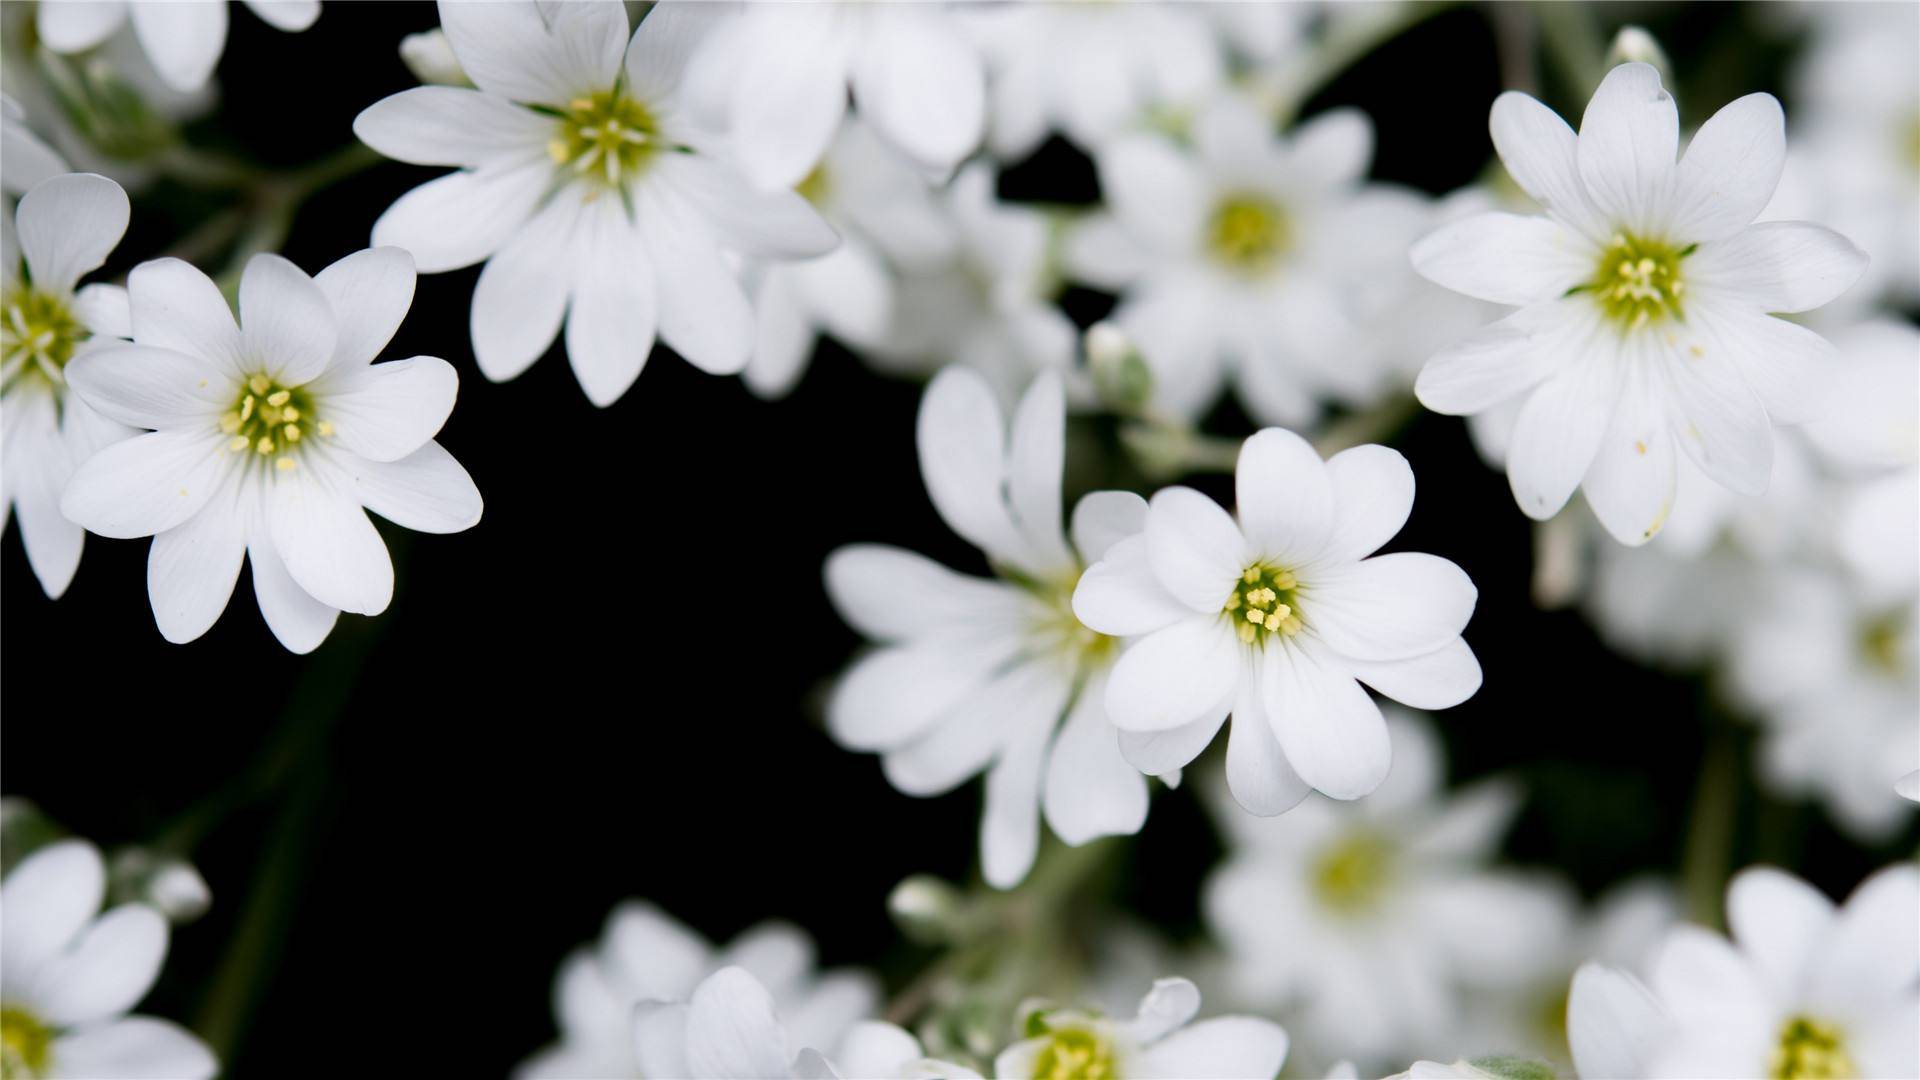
(727, 1029)
(67, 227)
(990, 305)
(874, 1048)
(1246, 255)
(887, 218)
(645, 955)
(1277, 618)
(1089, 70)
(269, 440)
(975, 675)
(1908, 786)
(1371, 917)
(1805, 989)
(1871, 433)
(1645, 301)
(587, 189)
(72, 972)
(1163, 1039)
(183, 38)
(788, 70)
(25, 160)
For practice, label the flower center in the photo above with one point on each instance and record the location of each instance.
(605, 136)
(1809, 1050)
(1075, 1053)
(815, 186)
(26, 1044)
(1638, 281)
(1264, 603)
(38, 333)
(1880, 642)
(270, 421)
(1351, 875)
(1248, 234)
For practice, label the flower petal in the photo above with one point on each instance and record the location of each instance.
(1372, 496)
(1091, 790)
(1630, 484)
(451, 125)
(1558, 433)
(1195, 548)
(1101, 519)
(893, 594)
(370, 292)
(192, 567)
(1010, 817)
(704, 315)
(1174, 676)
(108, 967)
(610, 326)
(75, 26)
(1167, 1008)
(1437, 680)
(1222, 1047)
(1285, 497)
(1780, 922)
(426, 491)
(1777, 266)
(1628, 141)
(67, 226)
(1505, 258)
(1612, 1022)
(146, 484)
(962, 443)
(1719, 421)
(1541, 154)
(298, 621)
(1259, 776)
(177, 307)
(1332, 732)
(183, 40)
(149, 387)
(921, 84)
(1119, 595)
(891, 696)
(383, 412)
(518, 52)
(1154, 190)
(1389, 607)
(971, 734)
(327, 543)
(1157, 753)
(732, 1032)
(1506, 358)
(48, 899)
(1730, 169)
(134, 1048)
(286, 322)
(464, 217)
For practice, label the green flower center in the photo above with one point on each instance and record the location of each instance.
(1809, 1050)
(1351, 875)
(1075, 1054)
(815, 186)
(38, 334)
(1058, 631)
(26, 1044)
(1248, 234)
(1880, 644)
(270, 421)
(1910, 142)
(605, 136)
(1264, 602)
(1638, 281)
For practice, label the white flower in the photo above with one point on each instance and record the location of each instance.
(989, 306)
(269, 440)
(67, 226)
(1162, 1040)
(976, 675)
(1908, 786)
(73, 972)
(1804, 990)
(1089, 70)
(727, 1029)
(874, 1048)
(183, 38)
(647, 955)
(789, 69)
(1248, 254)
(1871, 433)
(1372, 917)
(588, 191)
(1644, 301)
(28, 160)
(1278, 618)
(887, 218)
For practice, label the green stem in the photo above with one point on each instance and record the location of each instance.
(1708, 856)
(1573, 43)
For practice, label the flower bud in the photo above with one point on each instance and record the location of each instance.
(429, 55)
(167, 882)
(927, 909)
(1634, 45)
(1120, 374)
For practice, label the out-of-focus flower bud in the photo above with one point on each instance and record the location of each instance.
(1120, 375)
(927, 910)
(430, 57)
(167, 882)
(1634, 45)
(105, 109)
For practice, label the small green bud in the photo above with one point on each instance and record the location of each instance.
(1634, 45)
(1120, 373)
(928, 910)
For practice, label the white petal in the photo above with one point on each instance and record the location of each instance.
(704, 315)
(1332, 148)
(72, 26)
(891, 696)
(177, 307)
(784, 335)
(513, 51)
(108, 967)
(327, 543)
(451, 125)
(1091, 790)
(876, 1048)
(105, 310)
(660, 1039)
(1259, 776)
(521, 297)
(1628, 141)
(1730, 169)
(1223, 1047)
(893, 594)
(1036, 462)
(788, 93)
(1558, 433)
(46, 901)
(962, 444)
(183, 40)
(1158, 753)
(1390, 607)
(1505, 258)
(297, 620)
(851, 290)
(1873, 955)
(732, 1032)
(286, 322)
(1195, 548)
(1630, 484)
(920, 83)
(1777, 266)
(1779, 922)
(1612, 1022)
(745, 219)
(1166, 1009)
(192, 567)
(1701, 977)
(1102, 519)
(1332, 732)
(383, 412)
(1789, 366)
(38, 476)
(67, 226)
(426, 491)
(370, 292)
(1010, 818)
(1506, 358)
(1372, 496)
(464, 217)
(611, 323)
(149, 387)
(1120, 595)
(1175, 676)
(1437, 680)
(147, 484)
(289, 16)
(1284, 496)
(667, 40)
(1154, 190)
(133, 1048)
(1540, 153)
(1720, 421)
(1027, 697)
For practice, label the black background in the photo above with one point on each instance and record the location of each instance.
(609, 687)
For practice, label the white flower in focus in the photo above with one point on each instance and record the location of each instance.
(887, 218)
(977, 675)
(67, 226)
(1089, 70)
(874, 1048)
(1373, 917)
(728, 1029)
(1645, 299)
(788, 70)
(1277, 618)
(183, 38)
(269, 440)
(72, 972)
(587, 190)
(27, 159)
(1804, 989)
(646, 955)
(1249, 254)
(1162, 1040)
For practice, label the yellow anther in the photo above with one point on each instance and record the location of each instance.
(557, 150)
(237, 444)
(580, 104)
(1272, 623)
(230, 423)
(1281, 611)
(265, 445)
(292, 432)
(246, 408)
(1252, 575)
(279, 398)
(289, 414)
(325, 427)
(1255, 616)
(269, 415)
(285, 464)
(260, 384)
(1246, 633)
(1290, 625)
(1284, 579)
(1233, 602)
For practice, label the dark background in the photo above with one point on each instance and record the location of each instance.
(564, 707)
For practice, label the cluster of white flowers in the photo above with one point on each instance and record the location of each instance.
(1732, 389)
